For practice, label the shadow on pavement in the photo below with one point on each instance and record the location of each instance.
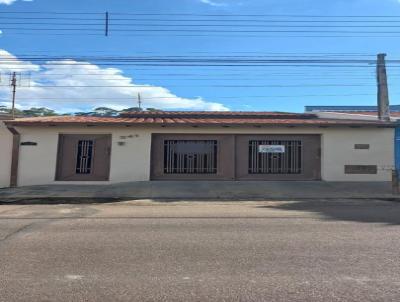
(387, 212)
(59, 200)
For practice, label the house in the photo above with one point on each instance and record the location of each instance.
(165, 145)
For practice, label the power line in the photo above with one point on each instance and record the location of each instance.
(204, 30)
(197, 14)
(164, 97)
(186, 27)
(221, 86)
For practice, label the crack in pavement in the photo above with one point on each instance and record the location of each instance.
(19, 230)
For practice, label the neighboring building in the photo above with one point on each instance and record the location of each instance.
(142, 146)
(5, 152)
(393, 108)
(360, 113)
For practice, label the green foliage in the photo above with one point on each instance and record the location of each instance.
(42, 111)
(104, 111)
(152, 109)
(132, 109)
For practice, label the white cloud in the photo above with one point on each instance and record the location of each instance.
(7, 2)
(215, 3)
(71, 98)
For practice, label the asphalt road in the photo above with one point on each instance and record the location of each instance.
(250, 251)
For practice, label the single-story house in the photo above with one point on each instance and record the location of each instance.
(166, 145)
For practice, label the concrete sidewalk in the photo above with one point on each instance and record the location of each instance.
(237, 190)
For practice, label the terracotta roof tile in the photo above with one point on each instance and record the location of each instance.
(244, 120)
(207, 113)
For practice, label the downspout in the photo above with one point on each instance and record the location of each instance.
(14, 156)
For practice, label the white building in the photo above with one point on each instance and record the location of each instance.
(143, 146)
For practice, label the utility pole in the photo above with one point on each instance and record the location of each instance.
(139, 102)
(383, 91)
(14, 90)
(107, 24)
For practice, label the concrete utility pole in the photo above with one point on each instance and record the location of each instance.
(139, 101)
(383, 91)
(107, 24)
(14, 90)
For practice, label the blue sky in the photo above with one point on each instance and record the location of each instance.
(271, 88)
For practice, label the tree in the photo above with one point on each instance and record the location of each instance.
(152, 109)
(105, 111)
(34, 111)
(84, 113)
(4, 109)
(136, 109)
(41, 111)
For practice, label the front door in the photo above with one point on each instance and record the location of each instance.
(278, 157)
(83, 157)
(192, 157)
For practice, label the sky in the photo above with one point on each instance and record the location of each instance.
(276, 87)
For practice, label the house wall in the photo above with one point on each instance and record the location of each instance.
(5, 155)
(131, 161)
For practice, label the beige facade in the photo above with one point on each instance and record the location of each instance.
(131, 150)
(5, 155)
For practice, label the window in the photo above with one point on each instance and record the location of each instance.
(190, 156)
(84, 157)
(275, 157)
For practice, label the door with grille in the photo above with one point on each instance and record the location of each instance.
(193, 156)
(190, 156)
(83, 157)
(278, 157)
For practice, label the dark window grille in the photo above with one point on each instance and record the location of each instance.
(84, 157)
(289, 162)
(190, 156)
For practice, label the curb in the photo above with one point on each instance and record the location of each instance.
(45, 200)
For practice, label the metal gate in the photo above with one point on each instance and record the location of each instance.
(287, 159)
(278, 157)
(235, 156)
(190, 156)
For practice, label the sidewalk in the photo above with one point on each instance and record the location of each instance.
(236, 190)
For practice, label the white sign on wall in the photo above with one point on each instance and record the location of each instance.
(271, 149)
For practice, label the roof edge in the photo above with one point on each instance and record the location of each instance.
(355, 124)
